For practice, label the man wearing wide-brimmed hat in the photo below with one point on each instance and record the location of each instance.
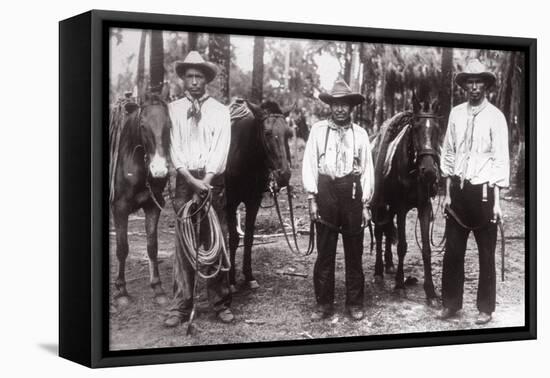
(338, 176)
(475, 162)
(199, 146)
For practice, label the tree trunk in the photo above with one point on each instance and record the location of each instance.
(379, 94)
(257, 70)
(192, 41)
(140, 78)
(156, 62)
(219, 53)
(446, 87)
(347, 62)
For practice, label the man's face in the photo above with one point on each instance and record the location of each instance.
(195, 82)
(341, 111)
(476, 89)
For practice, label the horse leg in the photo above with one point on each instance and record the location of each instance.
(401, 250)
(252, 208)
(424, 212)
(379, 265)
(231, 214)
(121, 227)
(388, 257)
(152, 214)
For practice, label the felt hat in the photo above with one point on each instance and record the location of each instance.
(475, 69)
(195, 60)
(341, 91)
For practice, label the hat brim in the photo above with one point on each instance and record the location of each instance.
(489, 78)
(209, 69)
(353, 99)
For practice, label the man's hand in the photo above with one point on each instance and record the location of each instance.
(367, 216)
(200, 187)
(497, 213)
(447, 199)
(313, 210)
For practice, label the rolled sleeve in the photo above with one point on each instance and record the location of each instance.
(501, 158)
(310, 172)
(177, 154)
(367, 177)
(217, 154)
(448, 151)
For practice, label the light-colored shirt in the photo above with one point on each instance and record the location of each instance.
(488, 159)
(202, 145)
(338, 159)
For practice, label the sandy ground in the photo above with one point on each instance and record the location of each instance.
(281, 307)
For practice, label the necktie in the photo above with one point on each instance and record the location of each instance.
(469, 136)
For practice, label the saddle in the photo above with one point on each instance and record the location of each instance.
(384, 145)
(117, 120)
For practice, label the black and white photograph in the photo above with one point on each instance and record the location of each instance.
(266, 189)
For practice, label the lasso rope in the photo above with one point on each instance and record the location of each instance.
(201, 256)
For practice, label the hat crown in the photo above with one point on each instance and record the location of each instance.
(340, 88)
(194, 58)
(474, 66)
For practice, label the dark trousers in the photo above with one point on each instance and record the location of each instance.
(476, 214)
(217, 287)
(337, 207)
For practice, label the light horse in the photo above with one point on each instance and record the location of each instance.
(259, 158)
(406, 180)
(139, 158)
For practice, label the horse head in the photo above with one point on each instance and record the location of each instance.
(426, 141)
(154, 126)
(276, 133)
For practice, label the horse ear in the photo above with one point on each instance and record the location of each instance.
(417, 106)
(165, 93)
(435, 106)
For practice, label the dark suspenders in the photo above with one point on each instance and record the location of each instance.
(326, 142)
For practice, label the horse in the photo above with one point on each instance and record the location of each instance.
(258, 159)
(140, 145)
(406, 180)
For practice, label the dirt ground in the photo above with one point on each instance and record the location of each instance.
(281, 307)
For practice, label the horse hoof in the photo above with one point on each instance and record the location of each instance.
(233, 289)
(399, 291)
(123, 301)
(431, 302)
(378, 279)
(161, 299)
(253, 284)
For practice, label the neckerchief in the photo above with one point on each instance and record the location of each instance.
(341, 147)
(473, 111)
(194, 111)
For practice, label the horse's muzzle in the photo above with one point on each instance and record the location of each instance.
(282, 178)
(158, 167)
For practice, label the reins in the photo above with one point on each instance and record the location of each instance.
(448, 211)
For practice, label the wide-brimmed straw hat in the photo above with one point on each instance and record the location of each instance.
(341, 91)
(475, 69)
(195, 60)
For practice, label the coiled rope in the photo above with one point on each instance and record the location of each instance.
(209, 254)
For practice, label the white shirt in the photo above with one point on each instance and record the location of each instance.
(202, 146)
(489, 158)
(339, 157)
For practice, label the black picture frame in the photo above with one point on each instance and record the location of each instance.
(83, 197)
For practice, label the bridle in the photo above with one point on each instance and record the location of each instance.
(146, 160)
(427, 149)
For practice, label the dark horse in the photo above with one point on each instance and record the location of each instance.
(259, 157)
(139, 157)
(410, 183)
